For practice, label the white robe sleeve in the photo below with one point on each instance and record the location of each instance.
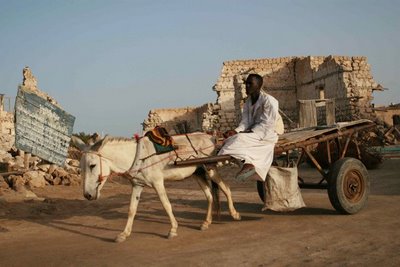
(267, 120)
(244, 123)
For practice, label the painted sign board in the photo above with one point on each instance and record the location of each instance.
(41, 128)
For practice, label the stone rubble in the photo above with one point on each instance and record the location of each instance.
(39, 174)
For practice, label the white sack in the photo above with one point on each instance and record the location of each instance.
(282, 190)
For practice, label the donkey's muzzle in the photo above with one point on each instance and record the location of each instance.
(88, 196)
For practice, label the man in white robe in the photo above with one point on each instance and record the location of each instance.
(253, 141)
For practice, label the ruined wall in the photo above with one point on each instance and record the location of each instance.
(29, 82)
(347, 79)
(7, 131)
(180, 120)
(279, 81)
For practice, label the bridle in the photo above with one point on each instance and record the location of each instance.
(102, 177)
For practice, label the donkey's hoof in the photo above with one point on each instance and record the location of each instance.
(172, 235)
(236, 216)
(204, 227)
(120, 238)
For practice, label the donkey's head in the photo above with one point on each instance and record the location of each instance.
(94, 167)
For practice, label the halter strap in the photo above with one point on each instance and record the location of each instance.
(102, 177)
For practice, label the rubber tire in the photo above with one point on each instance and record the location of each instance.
(261, 190)
(353, 197)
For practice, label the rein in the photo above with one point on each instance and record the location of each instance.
(169, 157)
(190, 142)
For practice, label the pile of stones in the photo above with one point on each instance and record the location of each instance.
(39, 174)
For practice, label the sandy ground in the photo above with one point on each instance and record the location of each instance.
(67, 230)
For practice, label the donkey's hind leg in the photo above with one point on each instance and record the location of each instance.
(214, 175)
(202, 180)
(136, 191)
(162, 194)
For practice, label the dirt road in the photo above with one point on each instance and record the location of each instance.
(66, 230)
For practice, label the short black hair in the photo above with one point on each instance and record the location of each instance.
(257, 78)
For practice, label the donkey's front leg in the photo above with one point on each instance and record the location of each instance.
(136, 191)
(162, 194)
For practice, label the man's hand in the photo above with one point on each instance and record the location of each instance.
(229, 133)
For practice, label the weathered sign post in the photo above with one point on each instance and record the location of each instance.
(42, 128)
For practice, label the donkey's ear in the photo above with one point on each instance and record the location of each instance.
(78, 143)
(99, 144)
(94, 138)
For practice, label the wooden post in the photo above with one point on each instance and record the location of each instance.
(27, 158)
(330, 112)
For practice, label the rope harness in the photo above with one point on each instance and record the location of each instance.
(170, 156)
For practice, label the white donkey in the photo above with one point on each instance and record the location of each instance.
(117, 156)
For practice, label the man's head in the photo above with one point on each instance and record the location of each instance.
(253, 84)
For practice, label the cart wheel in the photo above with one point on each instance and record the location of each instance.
(261, 190)
(348, 185)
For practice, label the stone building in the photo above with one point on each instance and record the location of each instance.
(347, 80)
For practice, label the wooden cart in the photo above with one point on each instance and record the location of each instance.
(345, 178)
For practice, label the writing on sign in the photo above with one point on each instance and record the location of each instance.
(42, 128)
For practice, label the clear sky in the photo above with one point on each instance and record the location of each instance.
(109, 62)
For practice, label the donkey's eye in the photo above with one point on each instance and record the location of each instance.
(91, 166)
